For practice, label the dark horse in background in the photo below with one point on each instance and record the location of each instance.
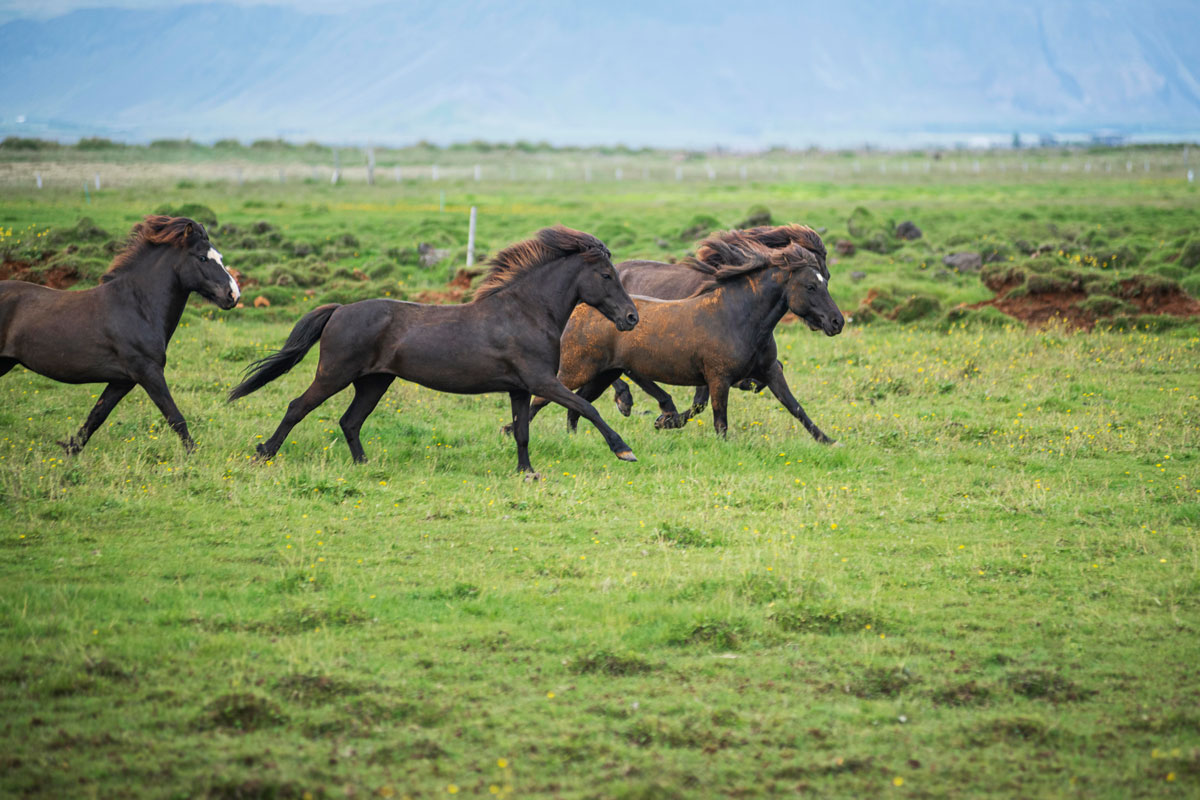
(117, 333)
(720, 335)
(677, 281)
(505, 340)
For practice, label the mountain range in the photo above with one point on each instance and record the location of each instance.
(667, 74)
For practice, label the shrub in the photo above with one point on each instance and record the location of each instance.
(919, 306)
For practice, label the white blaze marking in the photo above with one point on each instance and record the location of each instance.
(213, 255)
(820, 277)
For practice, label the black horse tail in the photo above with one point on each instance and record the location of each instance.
(306, 333)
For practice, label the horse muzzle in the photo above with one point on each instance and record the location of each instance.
(626, 322)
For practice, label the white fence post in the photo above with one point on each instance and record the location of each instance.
(97, 181)
(434, 172)
(478, 172)
(471, 239)
(39, 180)
(370, 166)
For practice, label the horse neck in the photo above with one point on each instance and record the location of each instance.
(152, 287)
(756, 302)
(548, 291)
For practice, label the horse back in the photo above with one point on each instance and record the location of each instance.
(656, 279)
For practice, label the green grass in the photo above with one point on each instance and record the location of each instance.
(991, 588)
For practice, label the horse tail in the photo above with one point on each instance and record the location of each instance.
(306, 333)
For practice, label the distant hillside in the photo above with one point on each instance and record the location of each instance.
(692, 73)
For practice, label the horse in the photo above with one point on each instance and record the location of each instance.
(117, 333)
(505, 340)
(718, 336)
(674, 282)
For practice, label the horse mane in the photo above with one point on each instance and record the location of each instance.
(781, 236)
(729, 255)
(548, 244)
(154, 229)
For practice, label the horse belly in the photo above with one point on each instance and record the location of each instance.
(446, 362)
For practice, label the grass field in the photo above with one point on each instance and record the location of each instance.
(991, 588)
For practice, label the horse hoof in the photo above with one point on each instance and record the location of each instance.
(626, 455)
(70, 448)
(533, 477)
(624, 407)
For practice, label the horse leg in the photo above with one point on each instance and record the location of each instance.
(554, 392)
(590, 391)
(318, 392)
(520, 429)
(368, 390)
(156, 386)
(622, 397)
(669, 415)
(778, 386)
(109, 398)
(718, 389)
(699, 403)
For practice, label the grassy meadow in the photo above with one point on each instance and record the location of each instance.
(991, 587)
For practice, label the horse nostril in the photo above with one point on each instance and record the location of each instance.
(631, 317)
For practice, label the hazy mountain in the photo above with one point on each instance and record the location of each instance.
(677, 73)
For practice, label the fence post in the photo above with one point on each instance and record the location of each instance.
(39, 180)
(97, 181)
(478, 173)
(370, 166)
(337, 167)
(399, 174)
(434, 172)
(471, 239)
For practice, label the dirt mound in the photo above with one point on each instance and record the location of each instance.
(1068, 306)
(54, 277)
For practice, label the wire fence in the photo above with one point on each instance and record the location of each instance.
(95, 176)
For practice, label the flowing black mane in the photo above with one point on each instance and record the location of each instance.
(548, 245)
(155, 229)
(729, 255)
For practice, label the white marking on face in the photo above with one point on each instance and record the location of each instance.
(820, 277)
(213, 255)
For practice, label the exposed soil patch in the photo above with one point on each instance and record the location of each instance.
(55, 277)
(1064, 305)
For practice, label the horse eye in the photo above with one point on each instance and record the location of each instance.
(607, 277)
(812, 287)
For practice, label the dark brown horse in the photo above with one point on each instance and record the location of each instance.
(717, 337)
(677, 281)
(506, 340)
(117, 333)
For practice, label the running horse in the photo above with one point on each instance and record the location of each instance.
(505, 340)
(677, 281)
(117, 333)
(720, 335)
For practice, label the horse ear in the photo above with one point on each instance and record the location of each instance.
(187, 232)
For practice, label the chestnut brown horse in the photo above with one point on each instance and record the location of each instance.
(676, 281)
(117, 333)
(720, 335)
(505, 340)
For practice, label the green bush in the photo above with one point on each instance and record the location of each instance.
(1104, 305)
(917, 307)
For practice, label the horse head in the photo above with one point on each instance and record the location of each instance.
(203, 271)
(599, 287)
(808, 291)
